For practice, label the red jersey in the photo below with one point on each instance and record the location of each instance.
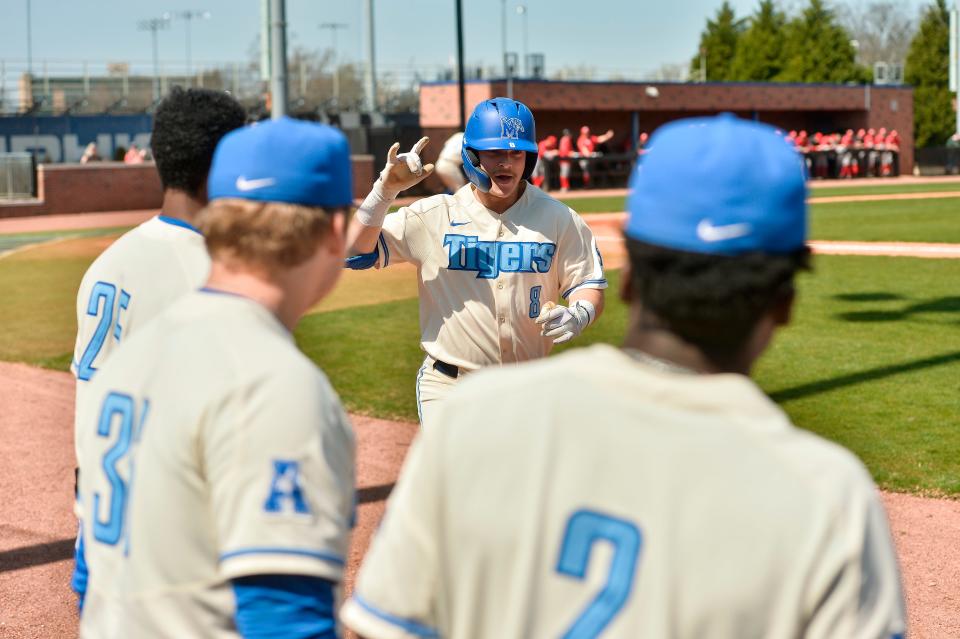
(566, 146)
(586, 144)
(545, 145)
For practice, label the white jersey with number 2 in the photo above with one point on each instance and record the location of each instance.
(591, 495)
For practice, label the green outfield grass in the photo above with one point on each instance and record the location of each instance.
(872, 361)
(618, 203)
(936, 220)
(821, 189)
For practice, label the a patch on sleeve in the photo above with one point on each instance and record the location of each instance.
(286, 492)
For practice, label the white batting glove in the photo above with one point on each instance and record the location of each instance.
(563, 323)
(405, 169)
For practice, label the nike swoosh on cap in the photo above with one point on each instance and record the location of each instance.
(707, 232)
(243, 184)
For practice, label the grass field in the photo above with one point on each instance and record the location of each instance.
(871, 361)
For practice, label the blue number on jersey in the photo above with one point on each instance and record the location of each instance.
(116, 405)
(584, 529)
(107, 293)
(535, 301)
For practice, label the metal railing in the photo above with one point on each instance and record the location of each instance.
(17, 176)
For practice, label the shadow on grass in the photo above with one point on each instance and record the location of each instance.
(949, 304)
(825, 385)
(868, 297)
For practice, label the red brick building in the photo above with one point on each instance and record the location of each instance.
(631, 107)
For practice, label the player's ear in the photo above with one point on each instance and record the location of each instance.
(626, 283)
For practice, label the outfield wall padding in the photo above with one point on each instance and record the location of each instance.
(114, 186)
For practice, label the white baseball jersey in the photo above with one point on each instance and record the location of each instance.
(640, 503)
(130, 283)
(210, 449)
(484, 276)
(451, 151)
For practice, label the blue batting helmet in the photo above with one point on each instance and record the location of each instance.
(500, 123)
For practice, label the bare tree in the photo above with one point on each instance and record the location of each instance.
(883, 29)
(671, 72)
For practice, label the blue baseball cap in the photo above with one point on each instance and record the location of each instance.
(283, 160)
(719, 185)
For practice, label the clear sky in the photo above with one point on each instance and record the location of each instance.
(627, 36)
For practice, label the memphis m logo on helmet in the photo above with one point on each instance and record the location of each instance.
(498, 124)
(511, 128)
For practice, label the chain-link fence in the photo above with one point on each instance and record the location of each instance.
(17, 176)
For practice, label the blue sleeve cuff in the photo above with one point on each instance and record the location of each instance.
(294, 606)
(369, 260)
(80, 573)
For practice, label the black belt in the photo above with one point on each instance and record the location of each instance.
(447, 369)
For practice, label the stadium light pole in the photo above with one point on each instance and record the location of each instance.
(461, 87)
(188, 17)
(522, 11)
(153, 25)
(503, 35)
(29, 45)
(370, 77)
(278, 59)
(334, 27)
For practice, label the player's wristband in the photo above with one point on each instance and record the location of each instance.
(375, 205)
(585, 311)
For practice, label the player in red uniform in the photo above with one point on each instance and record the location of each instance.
(587, 148)
(565, 150)
(891, 147)
(546, 149)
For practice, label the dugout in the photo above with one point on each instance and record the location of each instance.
(632, 107)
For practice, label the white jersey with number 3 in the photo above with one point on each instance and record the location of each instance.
(640, 503)
(130, 283)
(484, 277)
(210, 449)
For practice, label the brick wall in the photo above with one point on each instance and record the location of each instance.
(110, 186)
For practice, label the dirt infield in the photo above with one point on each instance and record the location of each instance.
(38, 526)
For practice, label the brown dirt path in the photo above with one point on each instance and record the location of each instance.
(37, 525)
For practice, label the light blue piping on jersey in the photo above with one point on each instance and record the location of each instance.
(419, 410)
(386, 251)
(217, 291)
(409, 625)
(172, 221)
(275, 550)
(581, 284)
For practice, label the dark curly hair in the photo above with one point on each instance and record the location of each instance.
(711, 301)
(187, 125)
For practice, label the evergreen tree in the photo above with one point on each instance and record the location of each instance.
(818, 49)
(928, 70)
(719, 43)
(759, 54)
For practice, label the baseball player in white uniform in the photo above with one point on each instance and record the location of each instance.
(164, 258)
(450, 163)
(493, 258)
(216, 463)
(662, 494)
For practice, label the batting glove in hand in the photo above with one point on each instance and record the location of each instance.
(405, 169)
(563, 323)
